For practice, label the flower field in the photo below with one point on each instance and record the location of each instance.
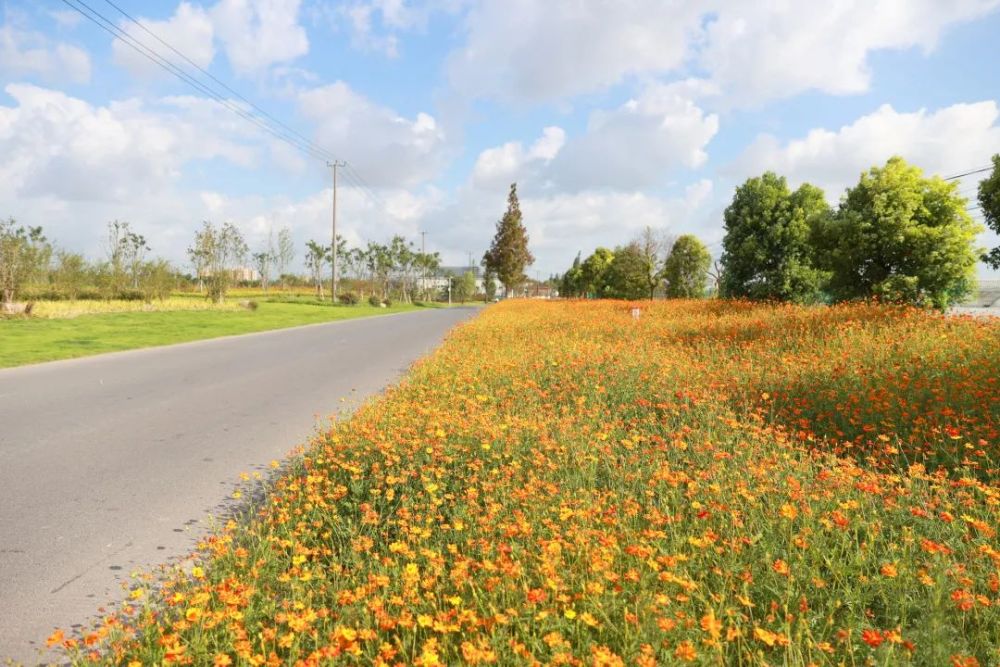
(714, 483)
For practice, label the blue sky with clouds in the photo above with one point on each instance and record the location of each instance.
(610, 114)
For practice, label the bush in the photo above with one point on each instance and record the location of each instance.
(387, 303)
(349, 299)
(374, 301)
(131, 295)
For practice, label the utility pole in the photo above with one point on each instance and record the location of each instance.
(333, 256)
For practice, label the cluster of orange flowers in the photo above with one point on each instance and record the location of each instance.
(713, 483)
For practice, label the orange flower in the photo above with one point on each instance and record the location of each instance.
(781, 567)
(872, 637)
(685, 652)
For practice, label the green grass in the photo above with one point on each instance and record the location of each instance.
(29, 341)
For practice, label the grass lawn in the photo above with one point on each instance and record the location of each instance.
(28, 341)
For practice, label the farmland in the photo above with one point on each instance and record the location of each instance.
(712, 483)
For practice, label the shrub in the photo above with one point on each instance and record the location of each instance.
(349, 298)
(374, 301)
(387, 303)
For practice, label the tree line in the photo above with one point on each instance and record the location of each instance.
(33, 268)
(896, 236)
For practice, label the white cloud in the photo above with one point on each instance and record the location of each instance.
(62, 148)
(189, 30)
(638, 144)
(946, 141)
(775, 48)
(529, 51)
(496, 167)
(386, 148)
(25, 53)
(259, 33)
(525, 50)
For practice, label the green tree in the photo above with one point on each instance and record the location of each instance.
(686, 268)
(570, 283)
(216, 253)
(901, 237)
(156, 279)
(70, 274)
(508, 255)
(490, 285)
(767, 253)
(627, 275)
(593, 273)
(463, 287)
(24, 253)
(989, 202)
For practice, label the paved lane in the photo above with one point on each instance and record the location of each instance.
(114, 462)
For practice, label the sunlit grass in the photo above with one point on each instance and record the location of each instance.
(36, 339)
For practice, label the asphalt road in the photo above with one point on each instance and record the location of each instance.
(116, 462)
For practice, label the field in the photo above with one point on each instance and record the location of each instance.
(713, 483)
(64, 329)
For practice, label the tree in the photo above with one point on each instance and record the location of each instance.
(989, 202)
(285, 254)
(570, 283)
(126, 253)
(464, 286)
(317, 256)
(70, 274)
(262, 262)
(490, 285)
(686, 268)
(652, 247)
(217, 252)
(157, 279)
(901, 237)
(627, 274)
(24, 252)
(508, 255)
(767, 253)
(593, 273)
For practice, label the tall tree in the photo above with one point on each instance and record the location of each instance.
(767, 253)
(508, 256)
(989, 202)
(901, 237)
(24, 252)
(686, 268)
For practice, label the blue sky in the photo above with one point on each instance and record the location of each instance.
(611, 115)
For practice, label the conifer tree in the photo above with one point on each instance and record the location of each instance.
(508, 256)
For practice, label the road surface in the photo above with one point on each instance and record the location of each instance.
(116, 462)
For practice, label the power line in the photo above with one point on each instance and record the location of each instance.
(236, 94)
(282, 131)
(108, 26)
(968, 173)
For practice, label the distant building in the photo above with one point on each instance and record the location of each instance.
(440, 279)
